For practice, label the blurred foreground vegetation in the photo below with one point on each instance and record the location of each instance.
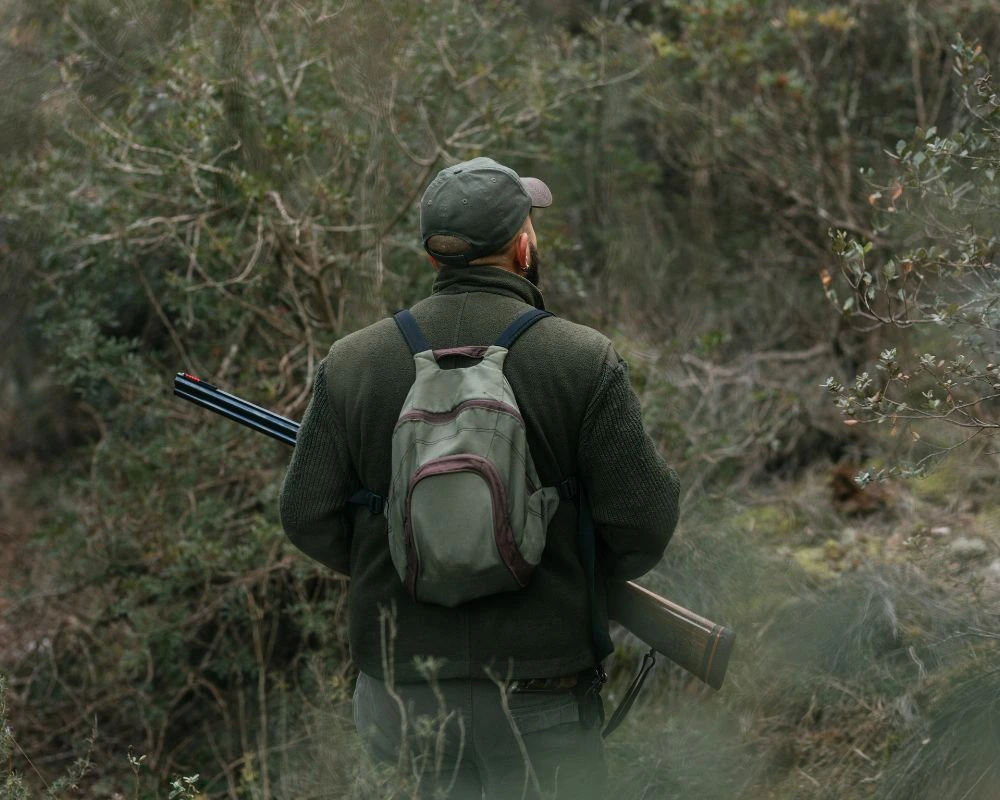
(755, 199)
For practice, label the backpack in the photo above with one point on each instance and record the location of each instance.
(467, 516)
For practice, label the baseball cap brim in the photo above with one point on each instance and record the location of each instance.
(539, 193)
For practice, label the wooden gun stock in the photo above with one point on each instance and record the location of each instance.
(698, 645)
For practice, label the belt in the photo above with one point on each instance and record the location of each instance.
(544, 684)
(588, 682)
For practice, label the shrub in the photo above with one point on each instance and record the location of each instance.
(934, 276)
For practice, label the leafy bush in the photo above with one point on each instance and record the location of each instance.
(227, 188)
(935, 277)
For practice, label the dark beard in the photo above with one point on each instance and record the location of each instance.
(531, 274)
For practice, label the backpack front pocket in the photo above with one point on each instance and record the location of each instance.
(457, 533)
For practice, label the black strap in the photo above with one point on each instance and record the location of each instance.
(588, 555)
(520, 325)
(408, 326)
(411, 331)
(567, 489)
(601, 641)
(417, 343)
(648, 661)
(369, 499)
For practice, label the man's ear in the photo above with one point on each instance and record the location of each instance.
(521, 250)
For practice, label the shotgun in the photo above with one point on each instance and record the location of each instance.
(700, 646)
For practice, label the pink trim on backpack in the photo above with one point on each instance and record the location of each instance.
(444, 417)
(470, 351)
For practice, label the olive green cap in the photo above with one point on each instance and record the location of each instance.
(480, 202)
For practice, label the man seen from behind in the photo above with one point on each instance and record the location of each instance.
(515, 702)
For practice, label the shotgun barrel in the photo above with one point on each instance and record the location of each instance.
(700, 646)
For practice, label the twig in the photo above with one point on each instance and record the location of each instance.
(387, 634)
(780, 356)
(529, 771)
(188, 362)
(256, 615)
(914, 46)
(810, 777)
(272, 50)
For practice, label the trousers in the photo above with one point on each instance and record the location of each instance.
(467, 739)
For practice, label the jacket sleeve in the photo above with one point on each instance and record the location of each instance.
(633, 494)
(319, 481)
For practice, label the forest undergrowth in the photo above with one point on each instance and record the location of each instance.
(864, 665)
(781, 213)
(868, 643)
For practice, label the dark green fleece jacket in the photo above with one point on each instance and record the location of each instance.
(583, 420)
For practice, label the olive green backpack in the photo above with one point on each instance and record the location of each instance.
(467, 513)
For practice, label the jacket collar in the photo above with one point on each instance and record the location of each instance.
(458, 280)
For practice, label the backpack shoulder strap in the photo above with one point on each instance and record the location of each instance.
(411, 331)
(520, 325)
(407, 324)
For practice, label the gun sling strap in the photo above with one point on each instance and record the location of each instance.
(569, 489)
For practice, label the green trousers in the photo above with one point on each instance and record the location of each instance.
(470, 739)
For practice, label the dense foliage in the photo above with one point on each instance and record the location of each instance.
(935, 276)
(227, 186)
